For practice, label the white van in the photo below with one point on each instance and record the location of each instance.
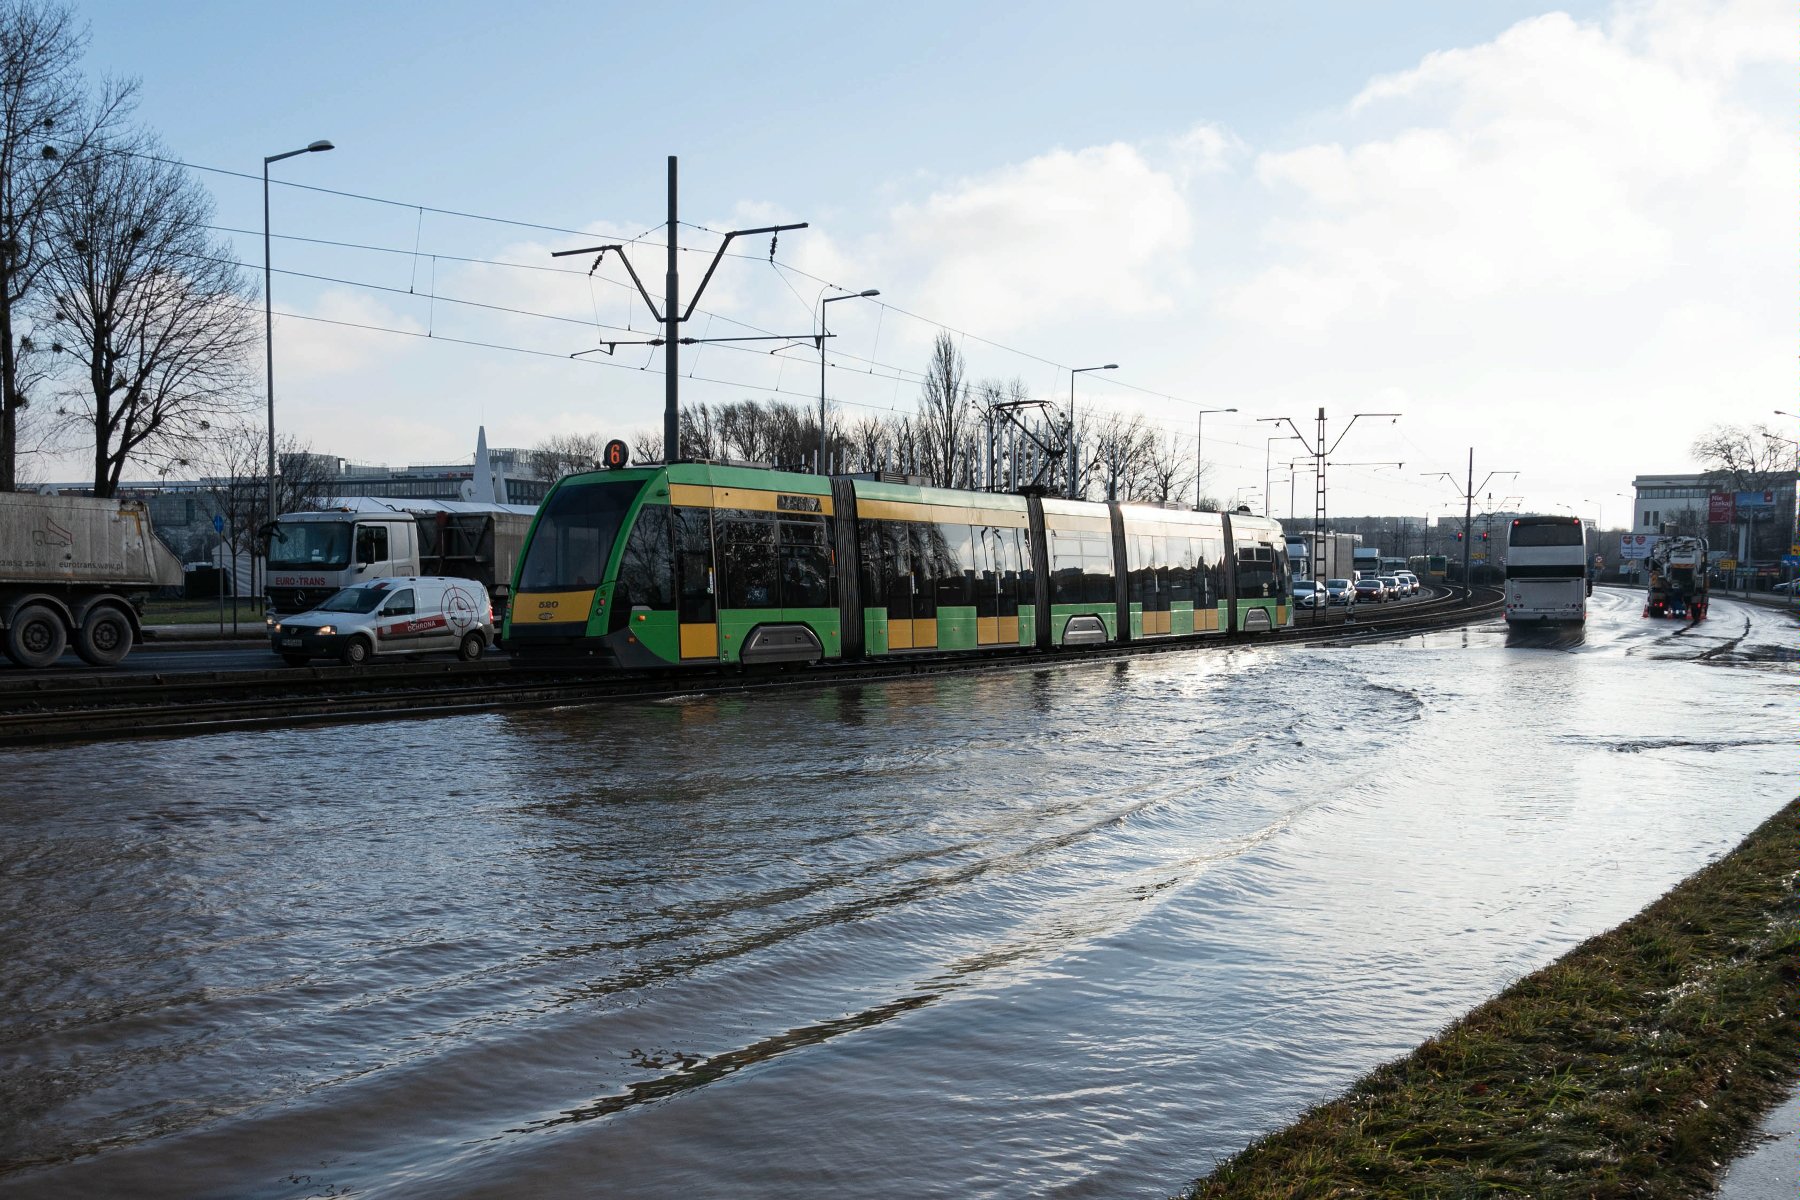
(403, 615)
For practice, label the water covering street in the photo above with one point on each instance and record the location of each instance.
(1071, 931)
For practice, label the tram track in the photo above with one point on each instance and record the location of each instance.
(49, 709)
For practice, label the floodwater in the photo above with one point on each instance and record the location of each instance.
(1058, 932)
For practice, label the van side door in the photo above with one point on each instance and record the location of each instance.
(397, 623)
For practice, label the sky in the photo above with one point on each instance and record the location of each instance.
(1563, 237)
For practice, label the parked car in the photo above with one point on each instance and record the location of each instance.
(1371, 588)
(399, 615)
(1308, 593)
(1785, 589)
(1340, 591)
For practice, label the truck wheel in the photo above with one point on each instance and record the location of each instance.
(105, 637)
(355, 652)
(472, 646)
(36, 637)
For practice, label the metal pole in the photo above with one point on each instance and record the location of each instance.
(1199, 455)
(268, 353)
(672, 338)
(1468, 531)
(1072, 435)
(819, 469)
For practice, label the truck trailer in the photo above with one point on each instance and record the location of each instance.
(1677, 579)
(74, 571)
(313, 555)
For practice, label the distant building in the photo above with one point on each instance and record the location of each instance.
(1751, 528)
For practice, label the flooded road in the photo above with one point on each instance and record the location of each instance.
(1073, 932)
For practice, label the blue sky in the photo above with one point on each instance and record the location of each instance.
(1494, 217)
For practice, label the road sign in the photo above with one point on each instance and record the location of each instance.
(1728, 564)
(1790, 560)
(218, 523)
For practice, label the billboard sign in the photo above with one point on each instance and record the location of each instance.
(1721, 508)
(1636, 545)
(1755, 500)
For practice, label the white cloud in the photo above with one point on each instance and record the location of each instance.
(1090, 230)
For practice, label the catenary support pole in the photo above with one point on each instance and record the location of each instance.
(671, 334)
(1468, 532)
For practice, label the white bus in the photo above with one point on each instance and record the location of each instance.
(1546, 569)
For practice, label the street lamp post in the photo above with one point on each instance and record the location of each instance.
(269, 315)
(1073, 472)
(871, 292)
(1199, 448)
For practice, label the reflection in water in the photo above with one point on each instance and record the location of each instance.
(1546, 635)
(1073, 930)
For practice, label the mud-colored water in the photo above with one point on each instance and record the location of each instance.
(1071, 932)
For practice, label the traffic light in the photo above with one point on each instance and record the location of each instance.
(1459, 535)
(1484, 535)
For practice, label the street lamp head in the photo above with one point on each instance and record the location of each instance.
(870, 292)
(319, 145)
(1110, 367)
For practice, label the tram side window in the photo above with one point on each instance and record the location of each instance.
(1081, 569)
(747, 554)
(1283, 578)
(874, 563)
(693, 565)
(927, 556)
(646, 567)
(806, 580)
(898, 578)
(1183, 557)
(1212, 571)
(1256, 570)
(952, 565)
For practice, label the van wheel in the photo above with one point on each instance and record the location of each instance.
(472, 646)
(105, 637)
(36, 637)
(294, 660)
(355, 652)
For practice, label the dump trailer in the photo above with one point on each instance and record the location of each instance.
(315, 554)
(1677, 579)
(74, 571)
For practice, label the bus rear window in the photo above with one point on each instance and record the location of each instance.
(1559, 534)
(574, 536)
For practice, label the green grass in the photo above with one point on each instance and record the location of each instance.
(202, 612)
(1636, 1065)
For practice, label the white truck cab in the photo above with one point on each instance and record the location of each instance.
(414, 614)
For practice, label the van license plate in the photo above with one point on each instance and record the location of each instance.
(290, 641)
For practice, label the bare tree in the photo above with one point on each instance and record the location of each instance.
(1117, 445)
(945, 414)
(1740, 459)
(567, 453)
(47, 127)
(1168, 471)
(157, 316)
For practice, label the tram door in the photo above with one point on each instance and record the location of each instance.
(902, 584)
(696, 584)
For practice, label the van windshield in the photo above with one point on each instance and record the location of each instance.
(320, 545)
(574, 535)
(354, 600)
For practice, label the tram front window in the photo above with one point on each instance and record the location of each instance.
(575, 535)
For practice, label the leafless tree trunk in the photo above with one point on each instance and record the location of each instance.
(158, 317)
(47, 127)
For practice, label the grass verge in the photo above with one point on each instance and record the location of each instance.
(203, 612)
(1638, 1064)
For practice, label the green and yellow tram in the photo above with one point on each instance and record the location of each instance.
(702, 564)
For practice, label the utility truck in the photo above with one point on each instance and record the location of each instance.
(74, 571)
(352, 540)
(1677, 579)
